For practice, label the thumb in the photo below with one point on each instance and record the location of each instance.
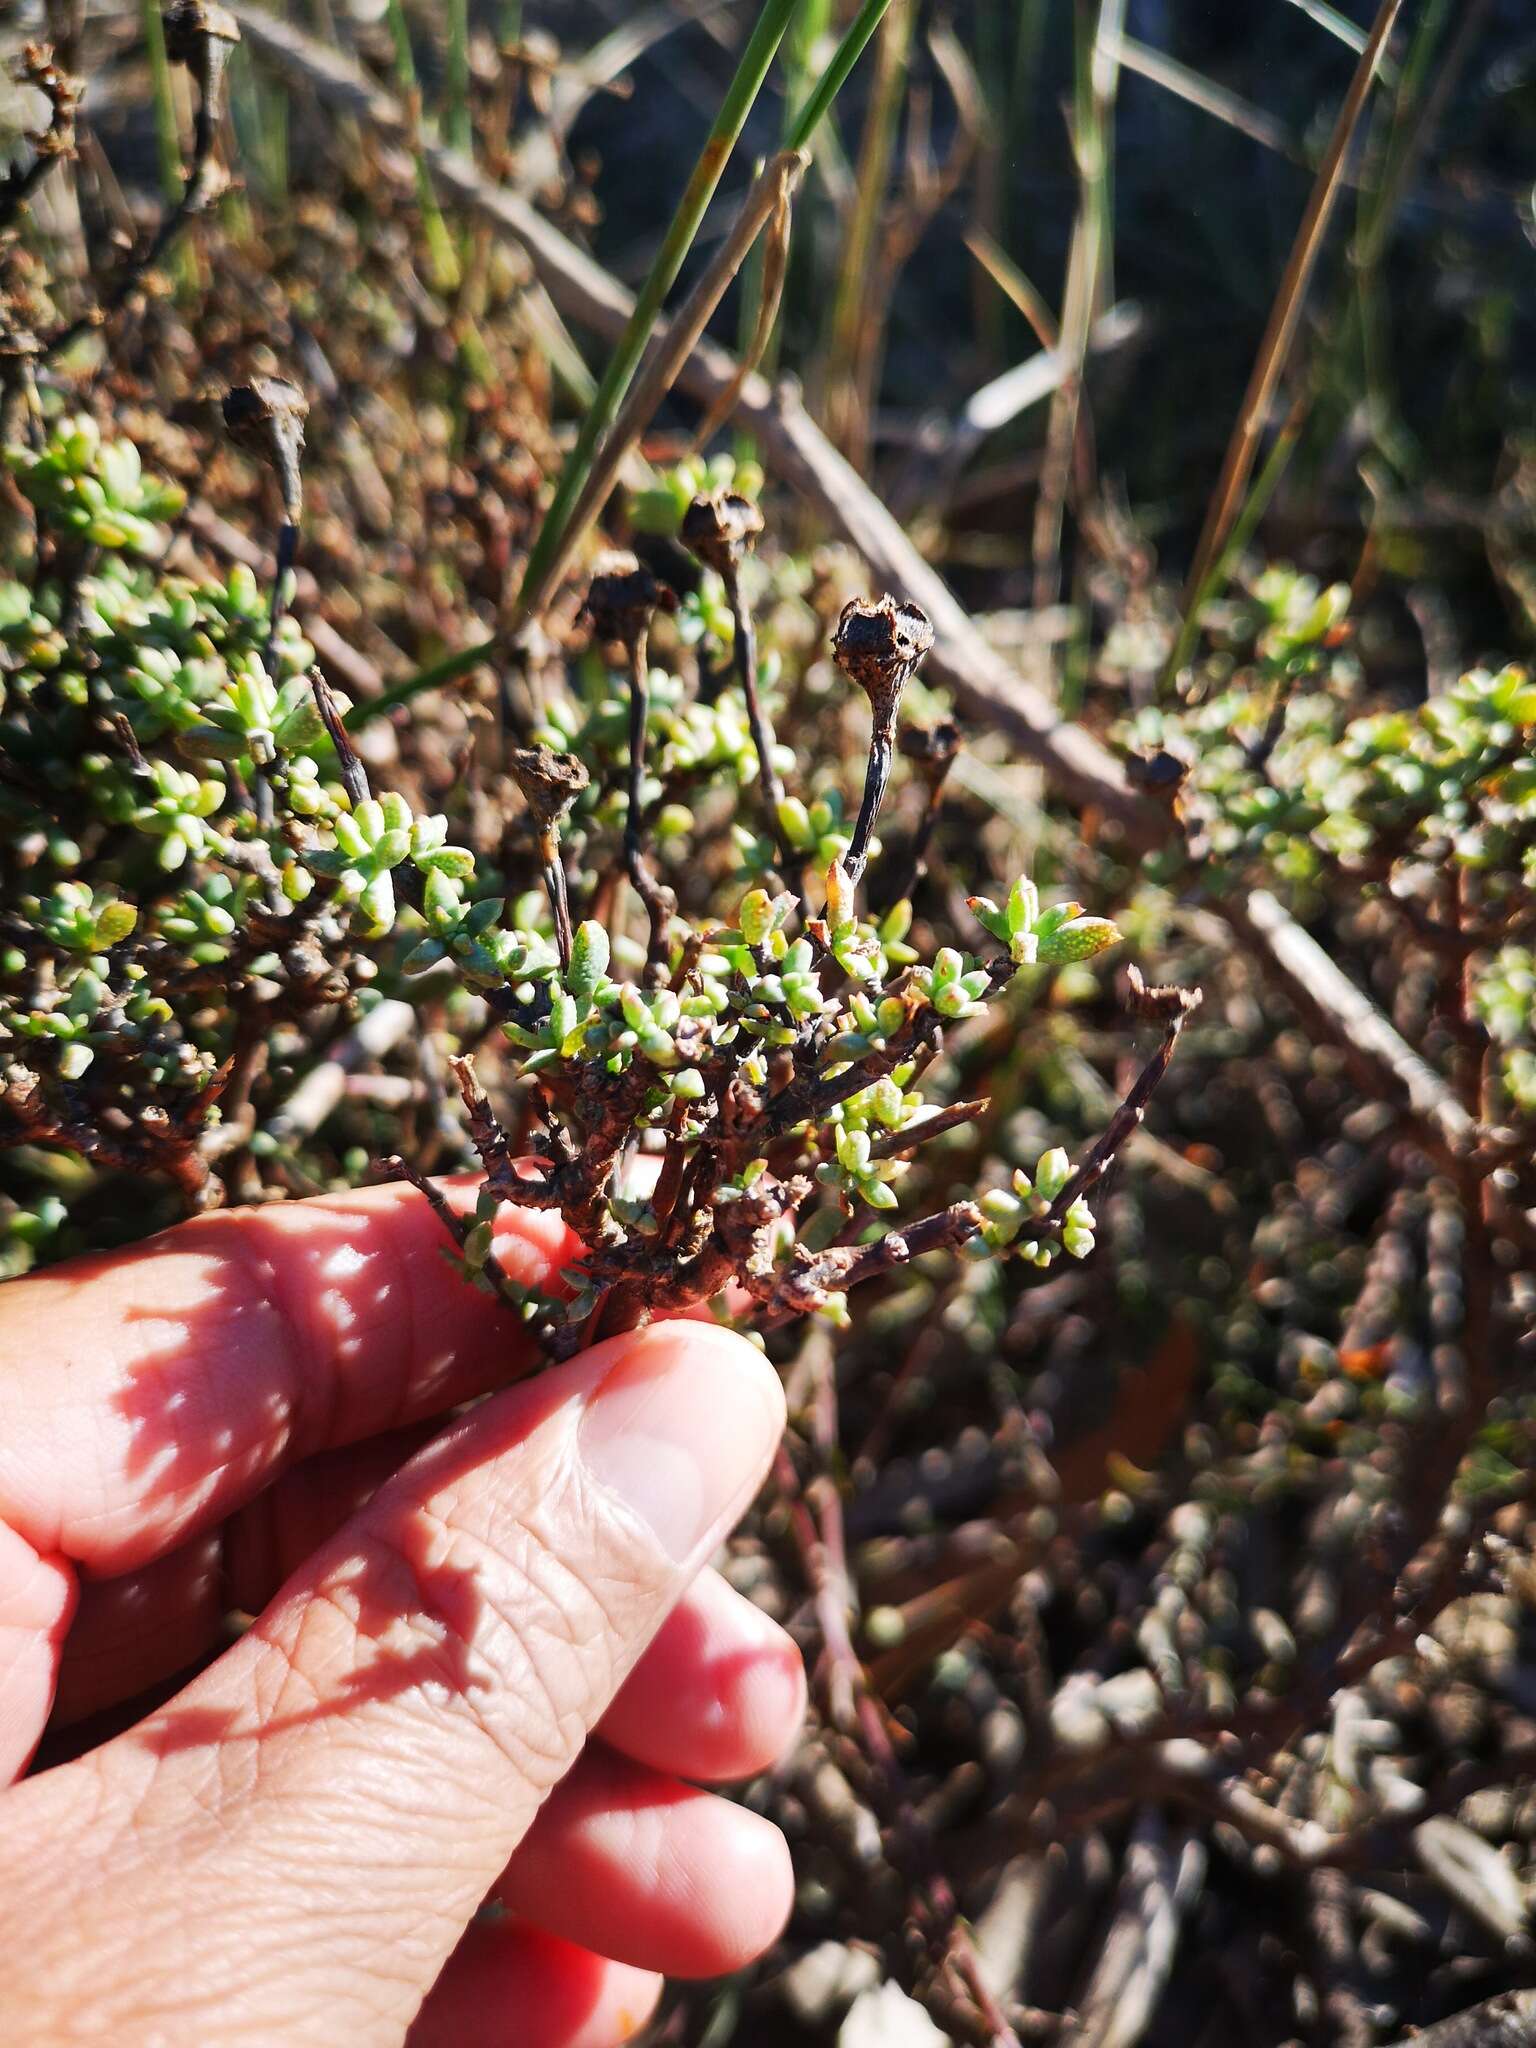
(312, 1823)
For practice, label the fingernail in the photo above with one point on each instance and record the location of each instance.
(681, 1430)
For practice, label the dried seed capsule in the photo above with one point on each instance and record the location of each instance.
(266, 419)
(878, 645)
(551, 782)
(192, 25)
(720, 527)
(623, 596)
(930, 748)
(201, 36)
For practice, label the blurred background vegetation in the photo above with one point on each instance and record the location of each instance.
(1419, 346)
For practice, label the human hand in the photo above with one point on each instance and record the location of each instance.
(294, 1847)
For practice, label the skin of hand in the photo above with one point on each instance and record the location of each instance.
(490, 1666)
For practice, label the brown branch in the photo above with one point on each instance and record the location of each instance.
(1507, 2021)
(63, 93)
(212, 33)
(815, 1519)
(457, 1227)
(896, 1144)
(1130, 1113)
(1323, 993)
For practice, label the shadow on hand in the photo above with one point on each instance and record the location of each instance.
(248, 1350)
(414, 1626)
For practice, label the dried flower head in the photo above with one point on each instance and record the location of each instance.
(18, 345)
(201, 36)
(1159, 772)
(720, 527)
(1157, 1004)
(551, 782)
(191, 25)
(878, 645)
(265, 419)
(623, 597)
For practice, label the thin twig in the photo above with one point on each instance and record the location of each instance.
(656, 897)
(458, 1227)
(1285, 314)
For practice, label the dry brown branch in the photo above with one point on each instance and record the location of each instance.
(1330, 1001)
(38, 68)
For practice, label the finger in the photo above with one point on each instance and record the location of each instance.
(365, 1760)
(511, 1986)
(132, 1633)
(651, 1872)
(37, 1598)
(719, 1695)
(152, 1392)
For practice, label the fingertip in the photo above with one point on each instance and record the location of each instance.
(653, 1872)
(744, 1368)
(679, 1427)
(764, 1895)
(734, 1372)
(510, 1985)
(38, 1596)
(770, 1705)
(719, 1695)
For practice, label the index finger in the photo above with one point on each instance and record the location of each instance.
(146, 1394)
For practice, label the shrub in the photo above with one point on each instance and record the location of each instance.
(199, 862)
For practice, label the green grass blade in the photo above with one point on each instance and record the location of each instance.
(456, 121)
(167, 141)
(750, 73)
(625, 360)
(835, 77)
(1336, 24)
(1244, 527)
(444, 260)
(1285, 314)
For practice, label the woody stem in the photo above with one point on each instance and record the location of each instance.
(646, 886)
(882, 747)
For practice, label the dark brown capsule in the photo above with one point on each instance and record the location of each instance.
(265, 419)
(623, 597)
(930, 748)
(191, 25)
(551, 782)
(878, 645)
(720, 527)
(201, 36)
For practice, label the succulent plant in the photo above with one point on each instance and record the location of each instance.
(775, 1050)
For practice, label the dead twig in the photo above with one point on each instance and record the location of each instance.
(1285, 314)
